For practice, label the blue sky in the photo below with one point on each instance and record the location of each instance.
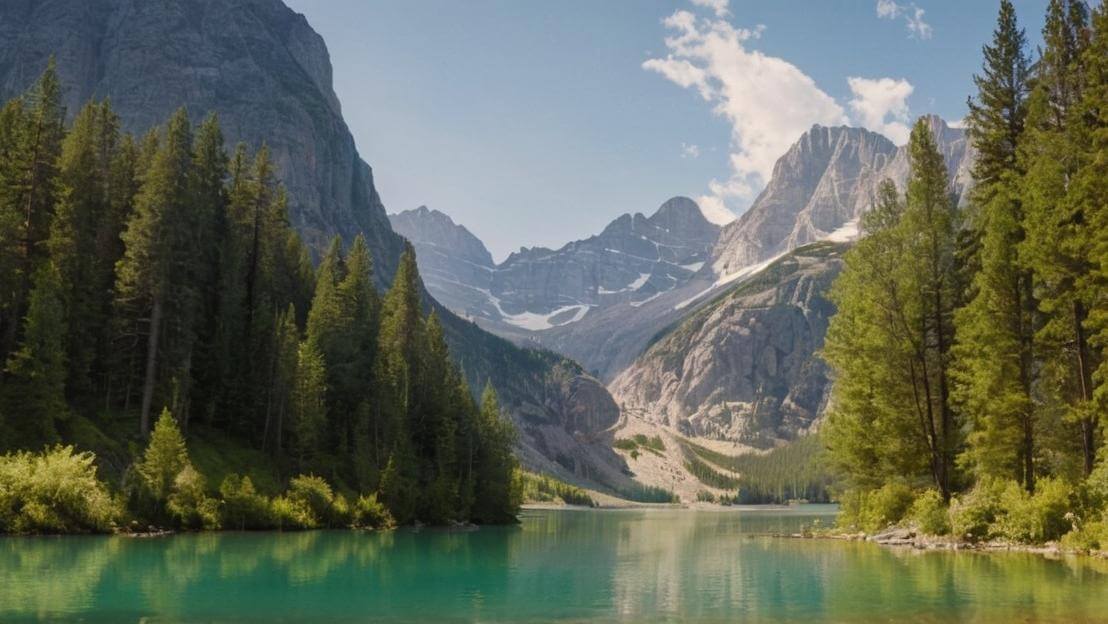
(536, 123)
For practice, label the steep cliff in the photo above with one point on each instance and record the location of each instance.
(743, 367)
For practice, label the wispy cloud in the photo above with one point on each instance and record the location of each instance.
(910, 13)
(719, 7)
(768, 101)
(882, 106)
(690, 150)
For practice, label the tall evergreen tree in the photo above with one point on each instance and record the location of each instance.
(995, 331)
(1056, 247)
(498, 488)
(35, 393)
(28, 194)
(890, 340)
(150, 274)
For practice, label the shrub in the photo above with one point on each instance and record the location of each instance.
(929, 512)
(874, 510)
(291, 515)
(314, 497)
(972, 515)
(189, 505)
(886, 506)
(704, 496)
(56, 491)
(1033, 518)
(1091, 536)
(370, 513)
(243, 507)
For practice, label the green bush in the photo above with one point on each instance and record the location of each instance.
(291, 515)
(704, 496)
(1091, 536)
(973, 514)
(886, 506)
(243, 507)
(56, 491)
(1036, 518)
(189, 505)
(370, 513)
(313, 495)
(873, 510)
(930, 514)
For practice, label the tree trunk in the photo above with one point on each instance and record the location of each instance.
(1084, 372)
(151, 365)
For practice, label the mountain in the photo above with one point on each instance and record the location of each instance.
(633, 260)
(267, 74)
(743, 367)
(820, 188)
(456, 267)
(255, 63)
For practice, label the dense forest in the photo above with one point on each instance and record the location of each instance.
(160, 275)
(969, 344)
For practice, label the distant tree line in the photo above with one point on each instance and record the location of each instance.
(969, 344)
(138, 274)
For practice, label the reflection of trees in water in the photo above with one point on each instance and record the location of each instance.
(45, 577)
(579, 565)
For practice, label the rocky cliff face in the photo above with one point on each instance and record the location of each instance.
(820, 188)
(743, 368)
(633, 260)
(255, 63)
(455, 265)
(267, 74)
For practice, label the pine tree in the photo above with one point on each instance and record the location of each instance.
(164, 458)
(1091, 183)
(498, 487)
(1058, 237)
(35, 393)
(28, 195)
(309, 409)
(995, 331)
(890, 339)
(150, 274)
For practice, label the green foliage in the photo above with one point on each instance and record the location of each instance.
(189, 505)
(653, 444)
(709, 476)
(369, 513)
(1033, 518)
(243, 507)
(973, 514)
(792, 472)
(56, 491)
(930, 514)
(313, 498)
(646, 494)
(164, 459)
(874, 510)
(539, 488)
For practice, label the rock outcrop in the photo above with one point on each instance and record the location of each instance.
(743, 368)
(821, 187)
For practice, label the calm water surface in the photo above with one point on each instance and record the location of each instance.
(558, 566)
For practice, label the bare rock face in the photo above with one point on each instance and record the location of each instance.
(821, 187)
(743, 368)
(455, 265)
(255, 63)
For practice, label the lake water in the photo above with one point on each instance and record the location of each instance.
(557, 566)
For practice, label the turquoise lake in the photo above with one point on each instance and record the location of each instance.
(557, 566)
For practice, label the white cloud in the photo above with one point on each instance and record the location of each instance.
(690, 150)
(882, 106)
(768, 101)
(910, 13)
(719, 7)
(714, 210)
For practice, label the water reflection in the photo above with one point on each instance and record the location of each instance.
(558, 566)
